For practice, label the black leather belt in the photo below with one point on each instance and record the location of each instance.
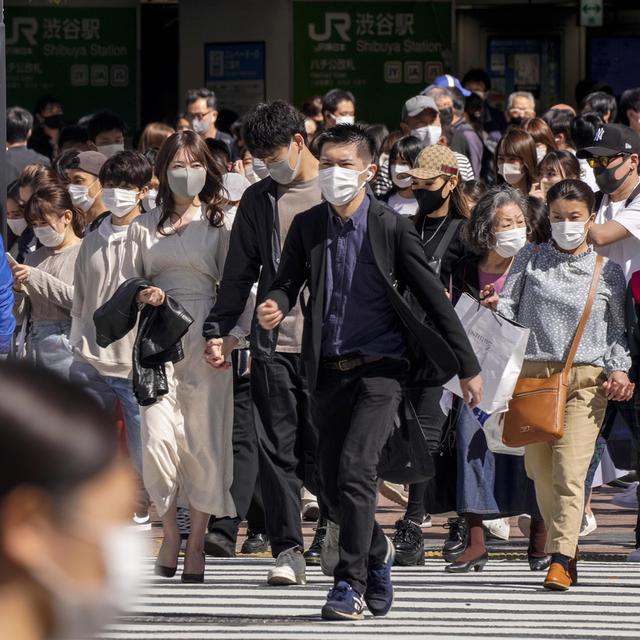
(348, 363)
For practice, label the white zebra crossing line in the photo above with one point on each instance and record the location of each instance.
(506, 600)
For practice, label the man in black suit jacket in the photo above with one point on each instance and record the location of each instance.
(361, 341)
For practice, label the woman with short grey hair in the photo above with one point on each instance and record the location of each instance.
(491, 486)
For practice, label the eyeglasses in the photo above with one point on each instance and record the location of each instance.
(603, 161)
(200, 116)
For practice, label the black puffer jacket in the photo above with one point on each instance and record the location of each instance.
(158, 341)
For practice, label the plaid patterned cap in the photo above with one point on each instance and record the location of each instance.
(433, 161)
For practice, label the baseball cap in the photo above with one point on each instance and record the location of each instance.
(417, 104)
(432, 162)
(451, 81)
(610, 140)
(235, 185)
(89, 161)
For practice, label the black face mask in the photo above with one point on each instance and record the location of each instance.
(516, 121)
(430, 201)
(446, 116)
(606, 181)
(54, 122)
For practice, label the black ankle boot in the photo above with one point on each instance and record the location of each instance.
(456, 543)
(312, 554)
(408, 544)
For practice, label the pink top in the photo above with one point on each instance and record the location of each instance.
(491, 278)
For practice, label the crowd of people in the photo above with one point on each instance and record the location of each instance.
(255, 310)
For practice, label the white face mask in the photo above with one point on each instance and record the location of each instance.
(110, 150)
(260, 168)
(48, 236)
(200, 126)
(339, 185)
(281, 170)
(79, 611)
(429, 134)
(541, 152)
(345, 119)
(508, 243)
(568, 235)
(187, 182)
(17, 225)
(149, 201)
(546, 184)
(80, 196)
(119, 201)
(400, 168)
(511, 172)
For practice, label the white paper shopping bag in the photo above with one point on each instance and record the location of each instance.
(499, 345)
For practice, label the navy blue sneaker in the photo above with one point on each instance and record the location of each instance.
(343, 603)
(379, 593)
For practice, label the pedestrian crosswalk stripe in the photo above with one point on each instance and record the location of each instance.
(506, 600)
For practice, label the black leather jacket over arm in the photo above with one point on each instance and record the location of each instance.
(158, 341)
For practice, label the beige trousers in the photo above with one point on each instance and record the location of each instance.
(558, 469)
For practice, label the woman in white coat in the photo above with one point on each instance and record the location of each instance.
(181, 246)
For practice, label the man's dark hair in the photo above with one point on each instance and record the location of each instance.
(477, 75)
(272, 125)
(602, 103)
(45, 101)
(583, 129)
(72, 133)
(630, 99)
(344, 134)
(19, 122)
(104, 121)
(458, 99)
(126, 168)
(333, 98)
(203, 92)
(559, 121)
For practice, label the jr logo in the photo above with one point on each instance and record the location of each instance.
(28, 27)
(341, 22)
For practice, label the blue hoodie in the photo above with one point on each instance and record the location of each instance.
(7, 321)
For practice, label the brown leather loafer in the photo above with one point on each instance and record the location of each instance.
(558, 578)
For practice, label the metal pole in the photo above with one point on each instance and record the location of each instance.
(3, 128)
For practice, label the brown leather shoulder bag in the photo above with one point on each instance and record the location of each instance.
(536, 411)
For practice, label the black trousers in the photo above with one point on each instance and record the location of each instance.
(630, 413)
(287, 442)
(426, 403)
(354, 412)
(245, 489)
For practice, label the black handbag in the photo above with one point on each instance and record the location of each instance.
(441, 491)
(405, 458)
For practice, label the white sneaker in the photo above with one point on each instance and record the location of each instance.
(141, 522)
(627, 499)
(289, 569)
(427, 522)
(589, 524)
(395, 492)
(634, 556)
(524, 524)
(330, 554)
(498, 528)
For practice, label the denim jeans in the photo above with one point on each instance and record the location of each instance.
(48, 345)
(107, 390)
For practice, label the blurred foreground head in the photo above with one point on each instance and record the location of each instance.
(68, 559)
